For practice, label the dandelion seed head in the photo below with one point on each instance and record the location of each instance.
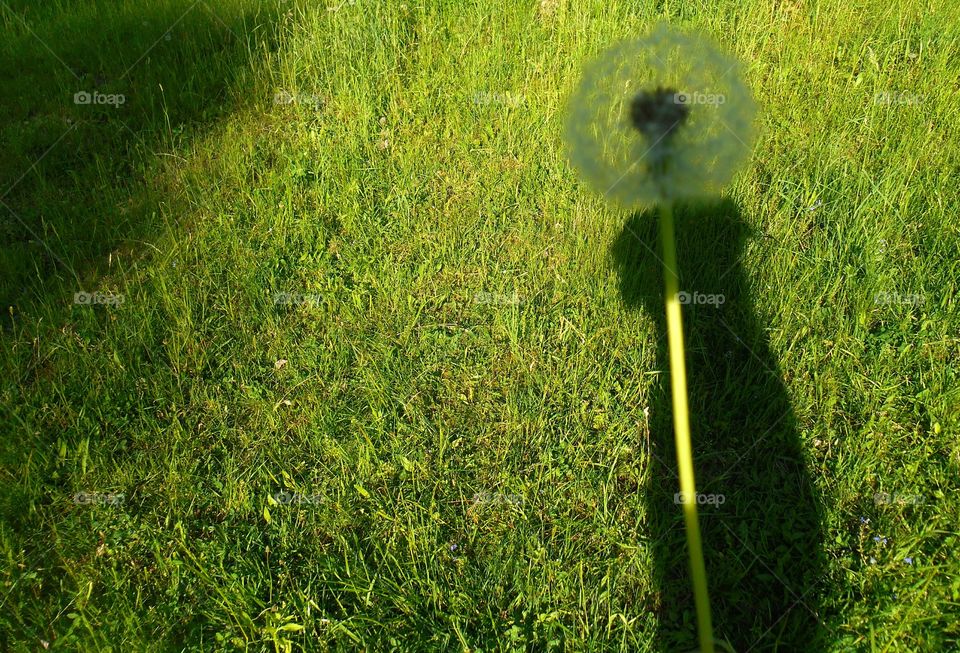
(660, 118)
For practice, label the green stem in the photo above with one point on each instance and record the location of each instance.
(681, 428)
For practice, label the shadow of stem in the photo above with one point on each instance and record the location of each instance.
(759, 514)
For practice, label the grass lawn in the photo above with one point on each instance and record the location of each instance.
(313, 340)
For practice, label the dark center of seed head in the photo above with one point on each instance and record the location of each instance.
(659, 112)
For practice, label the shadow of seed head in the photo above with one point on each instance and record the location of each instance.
(657, 113)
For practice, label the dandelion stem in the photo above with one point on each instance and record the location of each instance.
(681, 427)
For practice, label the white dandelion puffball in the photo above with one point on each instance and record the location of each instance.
(662, 118)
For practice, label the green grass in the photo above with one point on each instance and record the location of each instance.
(466, 384)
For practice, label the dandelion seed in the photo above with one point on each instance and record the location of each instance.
(660, 118)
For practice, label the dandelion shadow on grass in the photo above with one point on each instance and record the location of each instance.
(759, 511)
